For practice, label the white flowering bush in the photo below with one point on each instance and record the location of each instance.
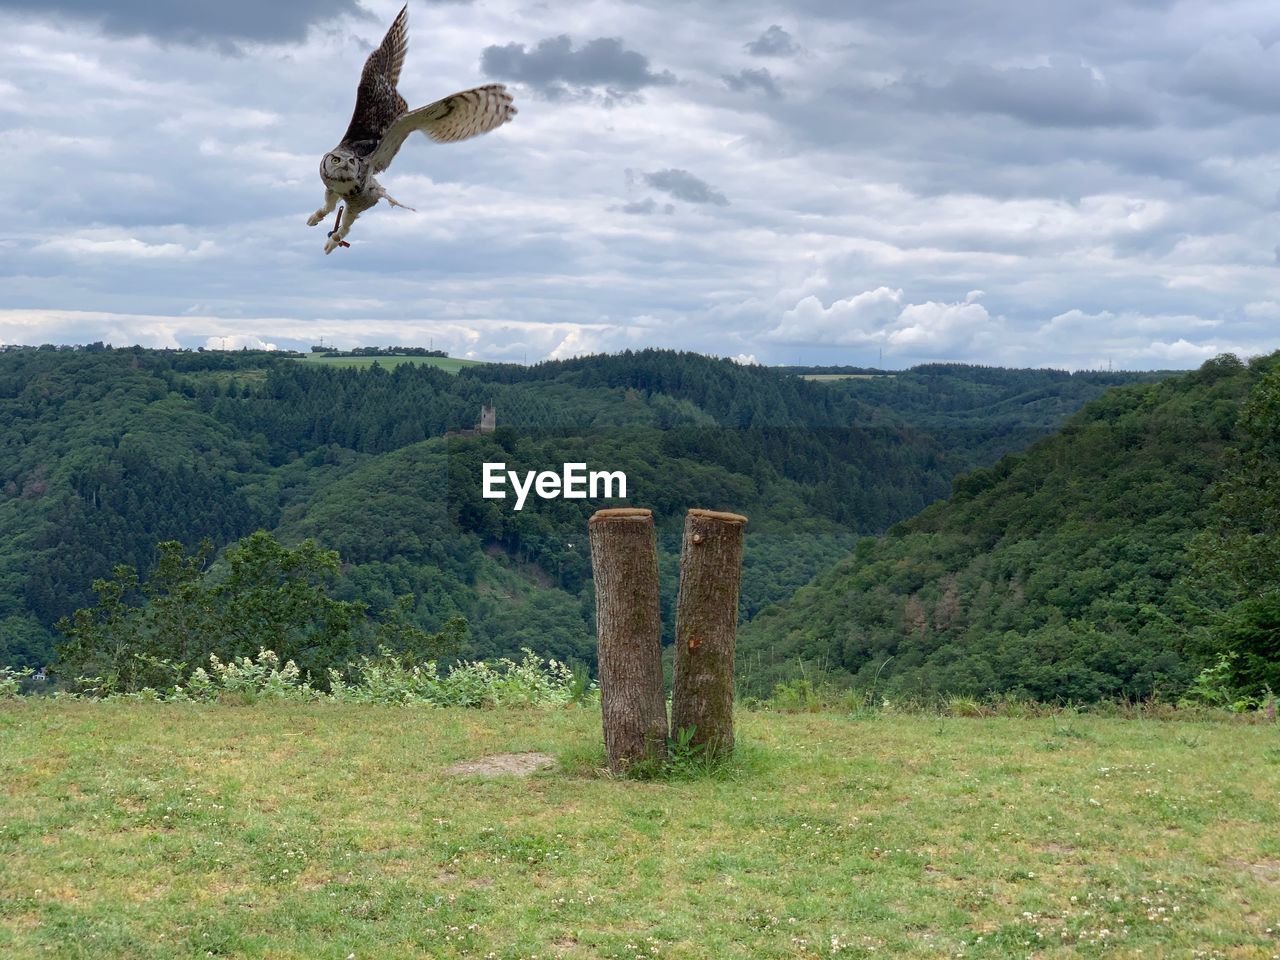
(384, 679)
(249, 679)
(505, 682)
(387, 678)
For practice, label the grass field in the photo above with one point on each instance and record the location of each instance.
(332, 831)
(450, 364)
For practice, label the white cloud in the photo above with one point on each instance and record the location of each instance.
(880, 317)
(124, 247)
(578, 341)
(860, 319)
(1183, 353)
(1104, 173)
(238, 341)
(939, 327)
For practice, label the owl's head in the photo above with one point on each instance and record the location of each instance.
(342, 171)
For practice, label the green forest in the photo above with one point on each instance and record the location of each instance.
(107, 453)
(1114, 559)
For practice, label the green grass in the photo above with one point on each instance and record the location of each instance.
(449, 364)
(326, 831)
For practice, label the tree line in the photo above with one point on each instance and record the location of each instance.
(105, 454)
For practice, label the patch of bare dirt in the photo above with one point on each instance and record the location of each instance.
(1268, 870)
(1059, 848)
(503, 765)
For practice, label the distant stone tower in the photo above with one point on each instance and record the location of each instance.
(488, 419)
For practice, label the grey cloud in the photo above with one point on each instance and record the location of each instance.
(1062, 94)
(774, 42)
(683, 185)
(745, 80)
(1114, 24)
(646, 207)
(1144, 188)
(196, 21)
(556, 69)
(1237, 71)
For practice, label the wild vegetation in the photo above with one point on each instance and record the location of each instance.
(106, 453)
(206, 797)
(1114, 559)
(158, 634)
(388, 361)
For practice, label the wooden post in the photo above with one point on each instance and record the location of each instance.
(624, 561)
(707, 628)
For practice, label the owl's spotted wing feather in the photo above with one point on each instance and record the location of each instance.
(378, 103)
(457, 117)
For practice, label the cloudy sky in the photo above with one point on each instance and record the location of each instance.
(821, 181)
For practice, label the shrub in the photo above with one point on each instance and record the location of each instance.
(11, 681)
(247, 679)
(388, 678)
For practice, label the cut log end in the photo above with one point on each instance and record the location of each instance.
(621, 513)
(717, 515)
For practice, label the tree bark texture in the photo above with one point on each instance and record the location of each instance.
(707, 628)
(624, 561)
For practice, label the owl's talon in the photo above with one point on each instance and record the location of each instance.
(334, 244)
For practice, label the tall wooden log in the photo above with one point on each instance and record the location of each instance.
(707, 628)
(624, 561)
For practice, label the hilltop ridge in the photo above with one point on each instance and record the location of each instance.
(105, 452)
(1059, 573)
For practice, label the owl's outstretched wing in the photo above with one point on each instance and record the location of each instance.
(378, 103)
(466, 114)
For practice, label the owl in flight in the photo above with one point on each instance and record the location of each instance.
(381, 123)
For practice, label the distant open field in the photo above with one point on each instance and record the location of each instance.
(451, 364)
(844, 376)
(136, 830)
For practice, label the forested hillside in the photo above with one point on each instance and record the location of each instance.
(105, 453)
(1079, 569)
